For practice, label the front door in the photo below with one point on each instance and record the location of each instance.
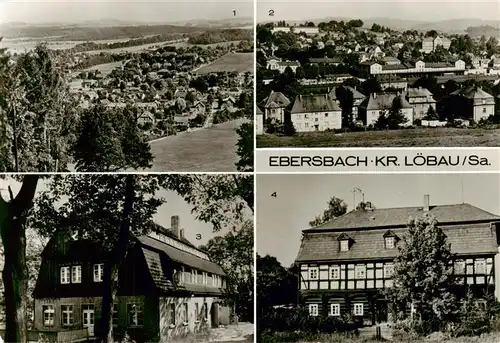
(316, 127)
(381, 312)
(88, 320)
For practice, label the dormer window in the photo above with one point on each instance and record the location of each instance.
(390, 240)
(345, 242)
(344, 245)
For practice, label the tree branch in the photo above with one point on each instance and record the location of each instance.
(24, 198)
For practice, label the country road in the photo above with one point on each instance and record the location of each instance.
(210, 149)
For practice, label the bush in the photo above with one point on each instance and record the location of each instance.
(289, 128)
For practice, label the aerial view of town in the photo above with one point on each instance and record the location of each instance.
(152, 88)
(378, 74)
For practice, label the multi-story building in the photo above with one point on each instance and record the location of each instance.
(315, 113)
(167, 287)
(418, 69)
(346, 264)
(470, 103)
(308, 30)
(421, 99)
(374, 105)
(274, 63)
(430, 44)
(275, 105)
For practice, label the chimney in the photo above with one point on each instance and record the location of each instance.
(426, 203)
(181, 233)
(368, 206)
(174, 225)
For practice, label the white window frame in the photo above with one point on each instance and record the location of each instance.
(99, 267)
(392, 243)
(459, 265)
(387, 267)
(360, 272)
(76, 274)
(51, 312)
(67, 310)
(335, 272)
(313, 310)
(310, 273)
(137, 310)
(344, 245)
(359, 309)
(65, 275)
(334, 310)
(481, 263)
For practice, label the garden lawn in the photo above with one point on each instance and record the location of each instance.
(418, 137)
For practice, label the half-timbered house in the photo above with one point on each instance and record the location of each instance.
(346, 264)
(167, 287)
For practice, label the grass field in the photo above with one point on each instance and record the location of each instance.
(419, 137)
(237, 62)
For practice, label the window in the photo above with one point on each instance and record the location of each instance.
(335, 272)
(48, 315)
(316, 119)
(335, 310)
(344, 245)
(360, 272)
(76, 274)
(65, 275)
(171, 314)
(313, 273)
(484, 109)
(358, 309)
(326, 115)
(67, 315)
(135, 315)
(196, 311)
(479, 267)
(389, 242)
(388, 270)
(185, 313)
(98, 272)
(313, 310)
(460, 267)
(115, 314)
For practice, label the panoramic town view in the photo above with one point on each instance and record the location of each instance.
(152, 88)
(382, 75)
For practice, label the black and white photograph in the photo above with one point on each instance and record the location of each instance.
(378, 257)
(105, 86)
(127, 258)
(377, 73)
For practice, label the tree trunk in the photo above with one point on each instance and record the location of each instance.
(111, 275)
(13, 216)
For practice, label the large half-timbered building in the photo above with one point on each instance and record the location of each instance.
(167, 287)
(347, 263)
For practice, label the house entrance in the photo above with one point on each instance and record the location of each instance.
(381, 311)
(215, 315)
(88, 317)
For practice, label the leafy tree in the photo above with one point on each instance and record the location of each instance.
(396, 117)
(103, 208)
(13, 220)
(336, 208)
(245, 147)
(234, 253)
(371, 85)
(110, 140)
(423, 275)
(346, 100)
(222, 200)
(38, 113)
(289, 128)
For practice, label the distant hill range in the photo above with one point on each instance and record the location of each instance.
(445, 26)
(115, 29)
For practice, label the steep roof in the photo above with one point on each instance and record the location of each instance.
(382, 101)
(369, 245)
(473, 92)
(398, 217)
(277, 98)
(314, 103)
(355, 93)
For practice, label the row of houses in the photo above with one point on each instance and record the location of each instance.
(323, 112)
(345, 264)
(167, 287)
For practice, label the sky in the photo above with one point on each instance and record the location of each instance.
(282, 216)
(401, 9)
(42, 11)
(175, 205)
